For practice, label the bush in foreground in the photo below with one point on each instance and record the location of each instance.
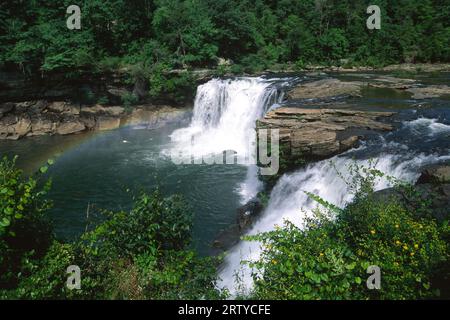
(329, 256)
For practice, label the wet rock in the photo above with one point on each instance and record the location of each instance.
(435, 174)
(57, 106)
(434, 91)
(247, 214)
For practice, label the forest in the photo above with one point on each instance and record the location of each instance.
(162, 35)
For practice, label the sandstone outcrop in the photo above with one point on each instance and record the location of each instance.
(35, 118)
(325, 88)
(314, 134)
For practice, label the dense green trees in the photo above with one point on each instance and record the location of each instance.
(191, 33)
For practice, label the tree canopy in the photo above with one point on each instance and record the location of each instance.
(195, 33)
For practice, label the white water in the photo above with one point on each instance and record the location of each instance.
(224, 117)
(429, 126)
(288, 201)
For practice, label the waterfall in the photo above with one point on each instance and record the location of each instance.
(288, 200)
(224, 118)
(225, 112)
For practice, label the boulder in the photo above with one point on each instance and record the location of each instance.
(70, 127)
(12, 128)
(435, 174)
(41, 126)
(315, 134)
(57, 107)
(247, 214)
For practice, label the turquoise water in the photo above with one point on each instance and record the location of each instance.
(98, 169)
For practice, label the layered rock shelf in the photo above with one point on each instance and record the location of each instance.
(315, 134)
(36, 118)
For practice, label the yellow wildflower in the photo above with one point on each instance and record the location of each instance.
(372, 231)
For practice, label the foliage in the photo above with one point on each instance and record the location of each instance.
(188, 33)
(328, 257)
(24, 231)
(140, 254)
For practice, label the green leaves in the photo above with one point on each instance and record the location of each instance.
(328, 257)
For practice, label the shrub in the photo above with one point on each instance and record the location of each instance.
(25, 233)
(329, 256)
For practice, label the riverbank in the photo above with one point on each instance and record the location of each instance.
(37, 118)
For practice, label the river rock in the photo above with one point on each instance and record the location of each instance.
(70, 127)
(102, 110)
(107, 123)
(13, 128)
(42, 126)
(326, 88)
(433, 91)
(436, 174)
(153, 116)
(57, 106)
(247, 214)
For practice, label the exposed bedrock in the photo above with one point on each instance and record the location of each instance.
(316, 134)
(35, 118)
